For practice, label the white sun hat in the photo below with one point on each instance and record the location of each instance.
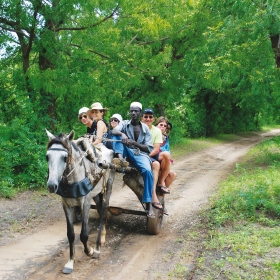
(117, 116)
(83, 110)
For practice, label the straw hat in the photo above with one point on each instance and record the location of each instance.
(98, 106)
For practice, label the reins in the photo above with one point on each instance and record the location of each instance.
(79, 162)
(94, 179)
(70, 159)
(115, 140)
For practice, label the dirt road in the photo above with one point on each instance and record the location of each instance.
(129, 253)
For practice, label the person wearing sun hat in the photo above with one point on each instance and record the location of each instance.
(115, 120)
(86, 120)
(138, 144)
(116, 144)
(97, 113)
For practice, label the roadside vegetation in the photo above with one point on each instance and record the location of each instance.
(211, 67)
(238, 235)
(30, 167)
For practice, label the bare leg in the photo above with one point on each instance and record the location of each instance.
(164, 159)
(170, 178)
(155, 169)
(168, 181)
(149, 209)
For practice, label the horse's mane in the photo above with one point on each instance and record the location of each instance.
(59, 139)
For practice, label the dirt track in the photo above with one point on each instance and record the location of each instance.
(129, 253)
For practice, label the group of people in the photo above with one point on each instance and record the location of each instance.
(137, 142)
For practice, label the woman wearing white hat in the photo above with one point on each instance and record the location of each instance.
(97, 112)
(86, 120)
(115, 120)
(117, 146)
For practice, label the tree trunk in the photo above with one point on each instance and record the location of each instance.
(275, 42)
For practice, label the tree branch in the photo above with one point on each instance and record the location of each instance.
(132, 39)
(13, 30)
(150, 42)
(91, 26)
(92, 51)
(8, 22)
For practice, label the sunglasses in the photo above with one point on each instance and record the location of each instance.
(164, 125)
(148, 117)
(114, 120)
(83, 117)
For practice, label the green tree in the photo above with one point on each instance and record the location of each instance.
(209, 66)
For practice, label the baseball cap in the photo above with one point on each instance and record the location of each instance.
(148, 111)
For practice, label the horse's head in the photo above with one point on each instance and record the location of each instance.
(58, 156)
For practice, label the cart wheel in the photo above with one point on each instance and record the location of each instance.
(77, 214)
(154, 224)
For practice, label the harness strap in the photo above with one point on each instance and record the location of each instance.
(63, 150)
(93, 179)
(58, 149)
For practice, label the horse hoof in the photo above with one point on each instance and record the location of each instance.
(68, 268)
(90, 253)
(96, 254)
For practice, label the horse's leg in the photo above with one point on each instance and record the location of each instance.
(98, 201)
(99, 207)
(102, 230)
(103, 235)
(68, 268)
(84, 231)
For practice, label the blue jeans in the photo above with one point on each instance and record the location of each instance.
(142, 163)
(118, 147)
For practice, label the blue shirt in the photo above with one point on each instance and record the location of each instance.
(145, 137)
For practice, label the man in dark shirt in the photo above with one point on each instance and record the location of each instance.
(138, 144)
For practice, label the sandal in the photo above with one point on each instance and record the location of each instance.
(165, 211)
(116, 162)
(157, 205)
(120, 162)
(124, 163)
(151, 215)
(163, 189)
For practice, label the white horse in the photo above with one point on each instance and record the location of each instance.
(78, 180)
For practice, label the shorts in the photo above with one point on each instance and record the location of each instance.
(155, 158)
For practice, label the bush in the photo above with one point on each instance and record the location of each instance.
(22, 159)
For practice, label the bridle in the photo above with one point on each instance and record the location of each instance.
(69, 159)
(93, 178)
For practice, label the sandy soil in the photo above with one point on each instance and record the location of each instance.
(33, 243)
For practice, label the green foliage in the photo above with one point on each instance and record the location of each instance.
(22, 159)
(243, 222)
(207, 65)
(253, 192)
(243, 251)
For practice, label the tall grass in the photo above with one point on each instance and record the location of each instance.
(243, 223)
(253, 191)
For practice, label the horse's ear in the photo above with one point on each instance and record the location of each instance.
(71, 135)
(51, 136)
